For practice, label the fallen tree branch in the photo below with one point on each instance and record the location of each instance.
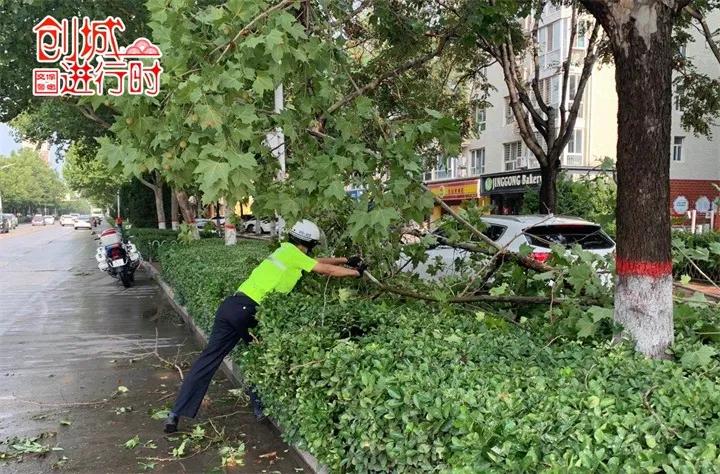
(695, 265)
(514, 299)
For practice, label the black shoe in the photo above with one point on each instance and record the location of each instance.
(171, 423)
(257, 406)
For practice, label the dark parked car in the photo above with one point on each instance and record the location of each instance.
(4, 224)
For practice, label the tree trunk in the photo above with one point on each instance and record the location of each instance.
(548, 186)
(159, 207)
(186, 211)
(230, 233)
(643, 53)
(156, 188)
(174, 210)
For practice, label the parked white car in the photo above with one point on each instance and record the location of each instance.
(511, 232)
(49, 220)
(265, 226)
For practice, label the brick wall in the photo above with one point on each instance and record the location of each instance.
(693, 189)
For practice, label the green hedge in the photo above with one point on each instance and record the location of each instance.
(150, 240)
(702, 249)
(382, 386)
(204, 272)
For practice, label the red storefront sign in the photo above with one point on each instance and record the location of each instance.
(456, 190)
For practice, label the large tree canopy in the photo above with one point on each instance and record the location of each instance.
(89, 177)
(27, 182)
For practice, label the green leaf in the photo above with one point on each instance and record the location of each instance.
(160, 414)
(262, 83)
(208, 117)
(699, 358)
(585, 327)
(132, 443)
(599, 313)
(685, 279)
(241, 160)
(212, 177)
(245, 113)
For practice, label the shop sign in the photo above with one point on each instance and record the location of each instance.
(702, 204)
(453, 190)
(511, 182)
(681, 205)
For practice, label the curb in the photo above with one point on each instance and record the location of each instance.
(229, 368)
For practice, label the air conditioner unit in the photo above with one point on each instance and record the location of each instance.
(521, 162)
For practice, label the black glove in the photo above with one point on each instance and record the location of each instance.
(361, 267)
(354, 261)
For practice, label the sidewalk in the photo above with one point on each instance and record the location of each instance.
(84, 363)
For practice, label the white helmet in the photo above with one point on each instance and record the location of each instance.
(306, 233)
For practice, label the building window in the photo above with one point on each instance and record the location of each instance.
(572, 86)
(477, 162)
(574, 149)
(580, 39)
(677, 152)
(550, 90)
(682, 50)
(480, 119)
(549, 38)
(677, 98)
(512, 155)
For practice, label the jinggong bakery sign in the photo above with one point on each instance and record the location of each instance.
(510, 182)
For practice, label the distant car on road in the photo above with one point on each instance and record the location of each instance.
(38, 220)
(82, 222)
(97, 213)
(49, 220)
(66, 219)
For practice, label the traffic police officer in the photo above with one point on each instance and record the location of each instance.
(279, 273)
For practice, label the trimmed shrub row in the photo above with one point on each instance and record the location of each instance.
(374, 386)
(149, 240)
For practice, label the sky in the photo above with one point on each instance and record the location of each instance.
(7, 142)
(8, 145)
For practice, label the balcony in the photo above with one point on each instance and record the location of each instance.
(573, 159)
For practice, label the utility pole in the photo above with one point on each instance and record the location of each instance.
(276, 142)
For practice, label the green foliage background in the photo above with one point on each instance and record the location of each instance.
(28, 183)
(591, 197)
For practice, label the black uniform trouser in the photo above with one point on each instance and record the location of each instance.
(234, 317)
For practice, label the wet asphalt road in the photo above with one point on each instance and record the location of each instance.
(71, 335)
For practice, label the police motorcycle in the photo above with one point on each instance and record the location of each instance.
(118, 258)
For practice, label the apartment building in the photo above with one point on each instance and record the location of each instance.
(496, 168)
(695, 161)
